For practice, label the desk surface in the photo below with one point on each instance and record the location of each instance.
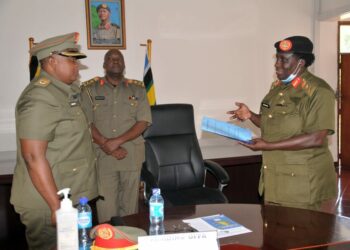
(273, 227)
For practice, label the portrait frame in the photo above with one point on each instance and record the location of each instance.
(106, 27)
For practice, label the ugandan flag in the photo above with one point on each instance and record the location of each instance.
(148, 79)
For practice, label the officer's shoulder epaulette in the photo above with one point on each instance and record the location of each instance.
(115, 25)
(135, 82)
(42, 81)
(308, 87)
(90, 82)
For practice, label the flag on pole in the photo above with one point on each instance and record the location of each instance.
(148, 77)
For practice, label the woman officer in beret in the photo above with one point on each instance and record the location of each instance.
(295, 118)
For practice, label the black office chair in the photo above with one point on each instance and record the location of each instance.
(174, 161)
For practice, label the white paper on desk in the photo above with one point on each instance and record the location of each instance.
(195, 240)
(216, 222)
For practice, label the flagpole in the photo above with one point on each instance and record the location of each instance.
(31, 42)
(149, 48)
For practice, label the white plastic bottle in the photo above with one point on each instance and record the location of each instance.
(67, 223)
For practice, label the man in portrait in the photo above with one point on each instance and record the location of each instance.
(106, 32)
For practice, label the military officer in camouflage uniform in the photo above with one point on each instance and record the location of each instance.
(106, 32)
(119, 111)
(54, 144)
(295, 118)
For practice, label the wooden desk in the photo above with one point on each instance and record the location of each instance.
(273, 227)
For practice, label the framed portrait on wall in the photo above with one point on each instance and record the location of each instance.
(105, 22)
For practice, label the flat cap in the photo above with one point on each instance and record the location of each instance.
(295, 44)
(103, 6)
(65, 45)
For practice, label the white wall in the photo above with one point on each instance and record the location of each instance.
(208, 53)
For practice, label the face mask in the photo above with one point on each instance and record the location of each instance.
(293, 75)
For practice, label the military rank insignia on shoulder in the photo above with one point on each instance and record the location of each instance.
(135, 82)
(115, 25)
(308, 88)
(90, 82)
(42, 81)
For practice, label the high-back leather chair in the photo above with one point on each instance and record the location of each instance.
(174, 160)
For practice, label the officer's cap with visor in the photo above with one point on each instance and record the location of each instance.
(64, 45)
(103, 6)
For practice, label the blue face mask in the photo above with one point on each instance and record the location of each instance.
(293, 75)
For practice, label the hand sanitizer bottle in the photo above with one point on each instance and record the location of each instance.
(67, 223)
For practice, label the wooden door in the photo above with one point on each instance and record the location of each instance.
(345, 111)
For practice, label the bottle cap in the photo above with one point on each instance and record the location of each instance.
(66, 203)
(83, 201)
(155, 190)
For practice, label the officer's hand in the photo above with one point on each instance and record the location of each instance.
(242, 113)
(120, 153)
(110, 146)
(256, 144)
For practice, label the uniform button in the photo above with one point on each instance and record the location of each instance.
(293, 228)
(95, 159)
(114, 130)
(280, 93)
(265, 167)
(293, 174)
(284, 112)
(270, 116)
(74, 169)
(114, 116)
(265, 224)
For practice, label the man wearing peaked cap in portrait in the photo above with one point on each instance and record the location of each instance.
(54, 147)
(106, 32)
(295, 118)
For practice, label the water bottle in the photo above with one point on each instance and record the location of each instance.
(84, 224)
(156, 212)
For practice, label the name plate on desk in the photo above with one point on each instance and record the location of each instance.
(196, 240)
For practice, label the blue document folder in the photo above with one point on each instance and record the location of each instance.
(226, 129)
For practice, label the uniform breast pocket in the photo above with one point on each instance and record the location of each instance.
(284, 109)
(131, 105)
(101, 109)
(289, 119)
(293, 183)
(72, 119)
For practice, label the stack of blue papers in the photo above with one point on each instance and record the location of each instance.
(226, 129)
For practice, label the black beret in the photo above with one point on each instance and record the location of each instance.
(295, 44)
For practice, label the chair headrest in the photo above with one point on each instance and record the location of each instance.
(171, 119)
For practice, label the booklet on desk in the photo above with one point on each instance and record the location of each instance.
(226, 129)
(222, 224)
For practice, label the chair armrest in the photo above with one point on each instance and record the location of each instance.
(149, 182)
(218, 171)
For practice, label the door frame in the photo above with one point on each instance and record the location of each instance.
(338, 92)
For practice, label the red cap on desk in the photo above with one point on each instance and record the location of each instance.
(108, 237)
